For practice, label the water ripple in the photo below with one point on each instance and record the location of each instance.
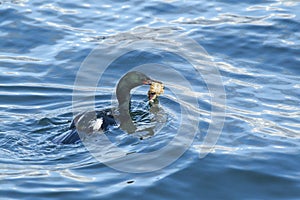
(18, 59)
(59, 9)
(226, 18)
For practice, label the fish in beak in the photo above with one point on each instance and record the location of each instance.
(156, 89)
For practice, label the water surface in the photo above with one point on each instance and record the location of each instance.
(254, 44)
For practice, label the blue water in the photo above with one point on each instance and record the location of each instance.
(254, 44)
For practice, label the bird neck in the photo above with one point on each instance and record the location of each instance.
(123, 96)
(124, 87)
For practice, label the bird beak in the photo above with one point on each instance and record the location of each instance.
(150, 81)
(147, 82)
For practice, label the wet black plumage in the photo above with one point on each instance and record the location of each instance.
(126, 83)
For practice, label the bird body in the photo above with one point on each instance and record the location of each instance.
(99, 121)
